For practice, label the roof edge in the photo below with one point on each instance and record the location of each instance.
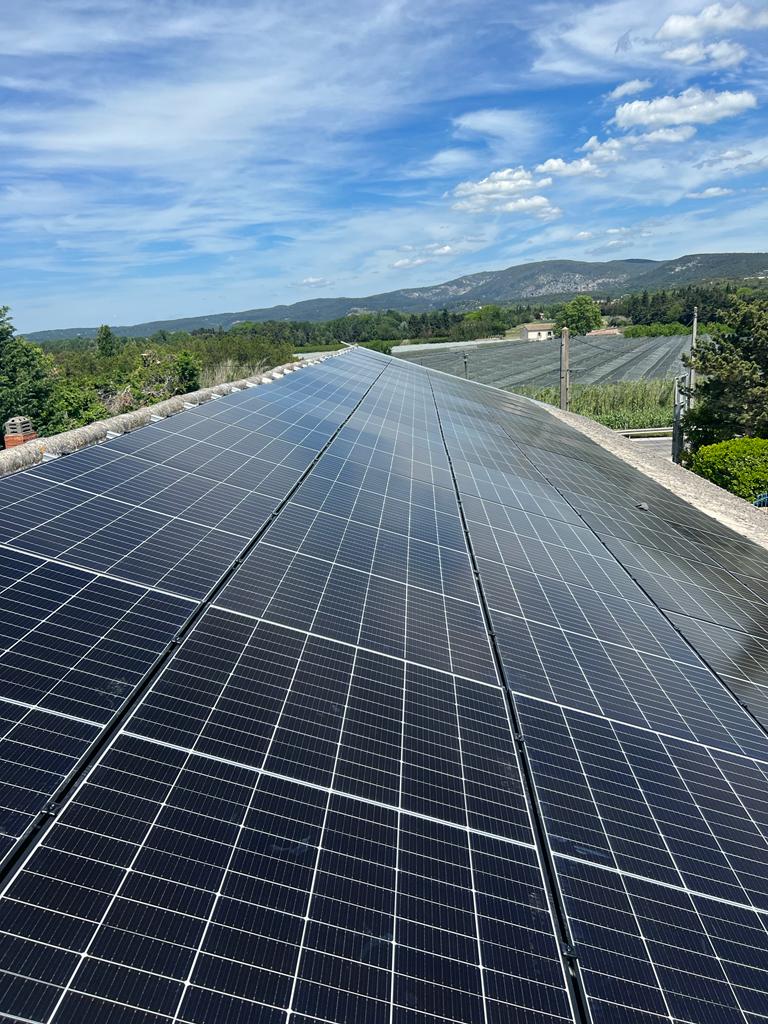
(726, 508)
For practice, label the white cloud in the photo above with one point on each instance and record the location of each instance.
(584, 234)
(606, 151)
(715, 18)
(444, 163)
(568, 169)
(710, 193)
(495, 135)
(726, 156)
(680, 134)
(501, 192)
(408, 261)
(630, 88)
(501, 124)
(315, 282)
(422, 254)
(723, 54)
(537, 206)
(692, 106)
(497, 188)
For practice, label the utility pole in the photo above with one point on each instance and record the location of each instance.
(565, 370)
(691, 369)
(466, 372)
(677, 424)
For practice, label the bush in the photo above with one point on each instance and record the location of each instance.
(624, 405)
(667, 330)
(740, 466)
(655, 330)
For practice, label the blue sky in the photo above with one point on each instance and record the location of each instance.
(165, 158)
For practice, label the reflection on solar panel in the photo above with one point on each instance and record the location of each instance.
(370, 697)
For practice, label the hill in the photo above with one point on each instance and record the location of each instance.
(548, 280)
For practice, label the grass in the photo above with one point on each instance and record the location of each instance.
(626, 405)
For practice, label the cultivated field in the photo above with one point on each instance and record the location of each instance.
(536, 364)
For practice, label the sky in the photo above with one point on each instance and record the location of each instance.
(168, 158)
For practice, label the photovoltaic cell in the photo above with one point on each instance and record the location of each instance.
(283, 884)
(72, 648)
(329, 807)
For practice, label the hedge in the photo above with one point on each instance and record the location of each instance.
(740, 466)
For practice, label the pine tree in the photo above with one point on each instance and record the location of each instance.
(106, 341)
(732, 391)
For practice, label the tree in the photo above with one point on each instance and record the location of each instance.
(732, 391)
(381, 346)
(186, 373)
(28, 384)
(107, 344)
(581, 315)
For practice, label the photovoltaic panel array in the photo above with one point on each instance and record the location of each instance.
(77, 633)
(648, 770)
(451, 729)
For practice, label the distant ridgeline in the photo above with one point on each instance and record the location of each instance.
(530, 289)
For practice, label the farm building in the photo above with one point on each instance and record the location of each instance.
(538, 331)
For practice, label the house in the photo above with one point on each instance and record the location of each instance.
(612, 331)
(538, 331)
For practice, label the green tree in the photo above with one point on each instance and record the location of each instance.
(107, 344)
(186, 373)
(28, 384)
(732, 391)
(581, 315)
(380, 346)
(81, 403)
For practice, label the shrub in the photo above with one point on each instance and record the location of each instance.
(379, 346)
(624, 405)
(655, 330)
(740, 466)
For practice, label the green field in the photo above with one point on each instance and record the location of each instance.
(627, 405)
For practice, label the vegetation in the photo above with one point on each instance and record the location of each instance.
(739, 465)
(69, 389)
(732, 388)
(676, 305)
(73, 381)
(655, 330)
(581, 315)
(627, 405)
(28, 386)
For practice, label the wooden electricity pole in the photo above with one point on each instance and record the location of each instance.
(565, 370)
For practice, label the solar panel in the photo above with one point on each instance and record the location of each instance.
(430, 748)
(73, 646)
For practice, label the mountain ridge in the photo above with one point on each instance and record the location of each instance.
(549, 280)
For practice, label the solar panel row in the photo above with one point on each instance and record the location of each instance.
(319, 809)
(74, 644)
(372, 852)
(655, 817)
